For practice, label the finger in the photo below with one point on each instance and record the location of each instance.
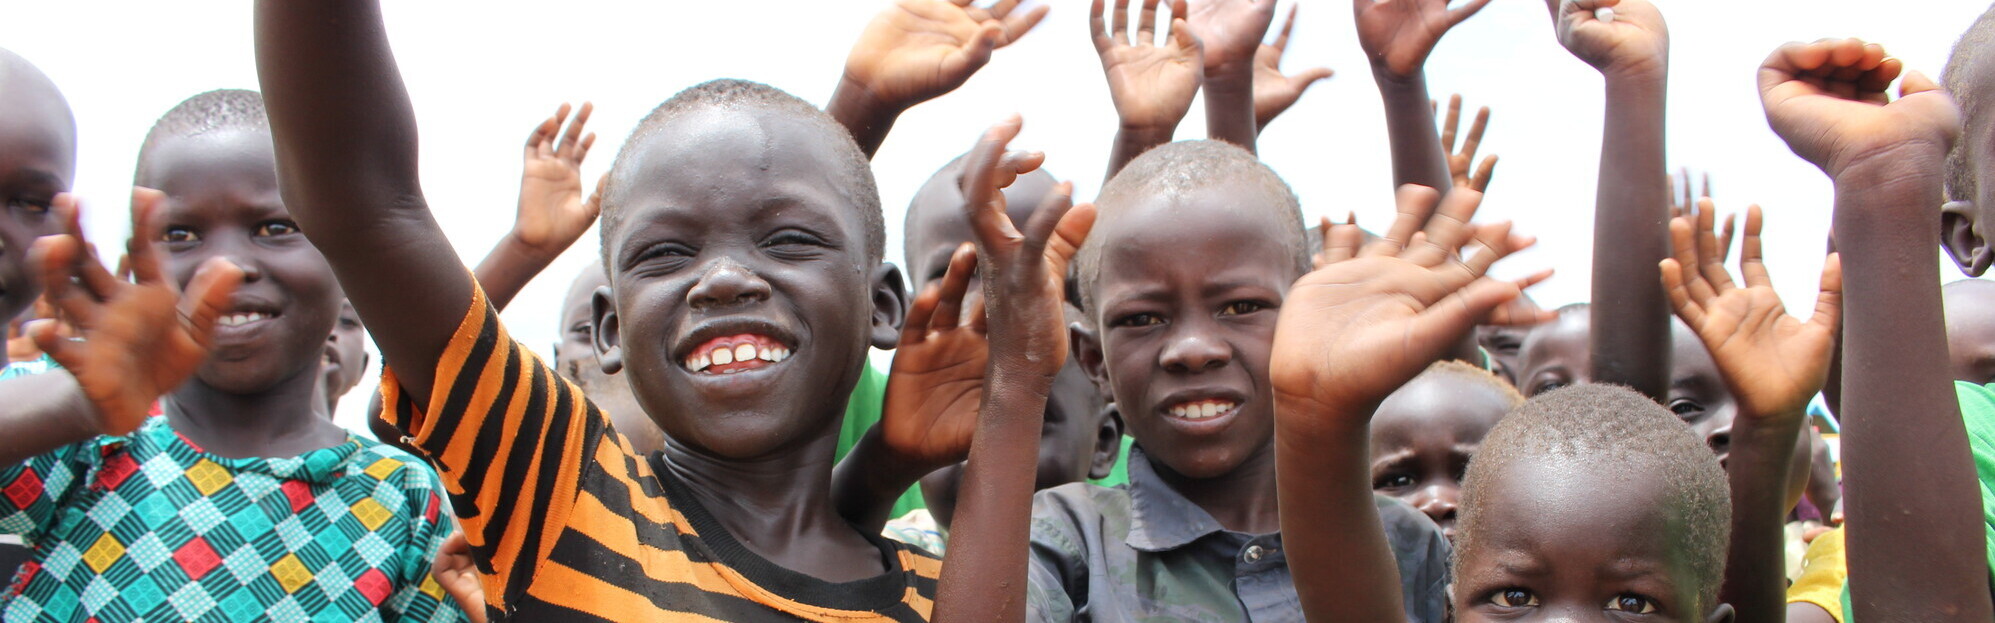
(1752, 266)
(1098, 26)
(1483, 174)
(1455, 16)
(85, 267)
(1683, 244)
(980, 317)
(1342, 243)
(1449, 228)
(58, 257)
(1829, 304)
(1016, 26)
(1725, 237)
(1068, 235)
(1454, 122)
(1455, 314)
(985, 211)
(1016, 163)
(1121, 32)
(1182, 36)
(1707, 186)
(1476, 128)
(1688, 202)
(1915, 83)
(1003, 8)
(582, 151)
(145, 218)
(545, 131)
(48, 336)
(572, 136)
(914, 330)
(1493, 242)
(1288, 26)
(207, 297)
(1680, 300)
(1708, 262)
(1039, 227)
(1415, 204)
(955, 282)
(1311, 76)
(594, 206)
(1146, 24)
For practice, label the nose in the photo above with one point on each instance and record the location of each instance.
(725, 284)
(1438, 502)
(1192, 348)
(1720, 440)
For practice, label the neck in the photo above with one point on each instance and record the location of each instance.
(284, 420)
(779, 506)
(1242, 500)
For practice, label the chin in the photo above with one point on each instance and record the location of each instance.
(253, 375)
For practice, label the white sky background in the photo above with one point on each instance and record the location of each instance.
(483, 74)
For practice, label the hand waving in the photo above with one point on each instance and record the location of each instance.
(1827, 100)
(1459, 162)
(1232, 30)
(1152, 84)
(1773, 362)
(1275, 92)
(1022, 271)
(1397, 35)
(1371, 319)
(552, 214)
(937, 383)
(917, 50)
(138, 340)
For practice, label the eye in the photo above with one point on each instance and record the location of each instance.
(1514, 598)
(1547, 385)
(276, 228)
(1505, 344)
(1392, 481)
(1685, 408)
(179, 235)
(1237, 308)
(792, 243)
(30, 206)
(1631, 603)
(1143, 319)
(670, 254)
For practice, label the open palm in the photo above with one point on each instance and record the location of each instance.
(1399, 34)
(1151, 83)
(917, 50)
(937, 385)
(552, 214)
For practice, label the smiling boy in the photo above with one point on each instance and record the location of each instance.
(37, 161)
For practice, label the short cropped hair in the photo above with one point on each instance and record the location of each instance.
(1969, 52)
(1180, 168)
(1475, 375)
(213, 111)
(1623, 432)
(729, 94)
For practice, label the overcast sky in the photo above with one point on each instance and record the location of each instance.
(482, 74)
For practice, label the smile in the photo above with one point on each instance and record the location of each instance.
(1202, 409)
(736, 353)
(238, 319)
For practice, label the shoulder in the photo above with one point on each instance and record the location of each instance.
(1073, 518)
(1412, 534)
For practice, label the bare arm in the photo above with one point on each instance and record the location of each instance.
(1397, 37)
(915, 51)
(1151, 79)
(1231, 31)
(552, 214)
(346, 156)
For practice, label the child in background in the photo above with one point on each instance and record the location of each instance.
(1181, 345)
(575, 359)
(244, 501)
(345, 359)
(1424, 434)
(37, 162)
(1970, 317)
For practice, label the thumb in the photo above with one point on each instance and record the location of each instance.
(207, 297)
(1916, 82)
(1068, 236)
(1310, 77)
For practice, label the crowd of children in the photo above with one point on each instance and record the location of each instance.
(1176, 402)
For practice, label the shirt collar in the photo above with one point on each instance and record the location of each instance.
(1160, 518)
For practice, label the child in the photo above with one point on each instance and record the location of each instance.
(1918, 544)
(37, 162)
(743, 239)
(1180, 342)
(245, 500)
(1425, 432)
(345, 359)
(575, 359)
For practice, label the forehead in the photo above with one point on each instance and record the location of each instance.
(1563, 340)
(1444, 408)
(236, 163)
(1576, 514)
(1688, 357)
(1185, 236)
(37, 135)
(936, 225)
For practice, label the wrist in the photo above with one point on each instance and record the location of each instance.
(1230, 78)
(1391, 82)
(1913, 161)
(1647, 83)
(514, 246)
(1145, 134)
(853, 100)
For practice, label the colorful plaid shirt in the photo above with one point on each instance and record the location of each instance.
(149, 527)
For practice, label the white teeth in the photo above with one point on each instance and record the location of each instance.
(722, 356)
(1204, 409)
(239, 319)
(733, 354)
(697, 363)
(744, 352)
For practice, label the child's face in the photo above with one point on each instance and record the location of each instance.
(1422, 438)
(1504, 344)
(1556, 355)
(346, 357)
(738, 233)
(1187, 295)
(937, 226)
(222, 201)
(575, 358)
(37, 161)
(576, 349)
(1560, 541)
(1070, 443)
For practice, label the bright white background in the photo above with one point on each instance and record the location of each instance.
(482, 74)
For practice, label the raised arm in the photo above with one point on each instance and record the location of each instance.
(1022, 272)
(1774, 364)
(346, 160)
(1349, 334)
(1274, 91)
(1397, 36)
(1631, 204)
(1232, 31)
(915, 51)
(552, 214)
(1910, 485)
(1152, 80)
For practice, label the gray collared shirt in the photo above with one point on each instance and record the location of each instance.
(1142, 552)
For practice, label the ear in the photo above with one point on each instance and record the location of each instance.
(1960, 235)
(365, 359)
(1107, 443)
(1721, 614)
(606, 337)
(1085, 347)
(889, 306)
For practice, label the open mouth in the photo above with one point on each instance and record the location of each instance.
(244, 318)
(1202, 409)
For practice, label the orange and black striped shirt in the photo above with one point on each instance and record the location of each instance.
(567, 523)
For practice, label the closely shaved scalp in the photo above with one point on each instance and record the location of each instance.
(213, 111)
(1970, 53)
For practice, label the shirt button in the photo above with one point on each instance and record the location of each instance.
(1253, 553)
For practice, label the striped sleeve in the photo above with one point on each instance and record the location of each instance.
(510, 441)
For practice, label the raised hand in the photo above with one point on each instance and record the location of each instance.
(1773, 362)
(1828, 100)
(139, 340)
(1152, 81)
(1692, 201)
(917, 50)
(1275, 92)
(454, 570)
(937, 384)
(1460, 161)
(552, 214)
(1397, 35)
(1634, 41)
(1022, 271)
(1372, 318)
(1232, 30)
